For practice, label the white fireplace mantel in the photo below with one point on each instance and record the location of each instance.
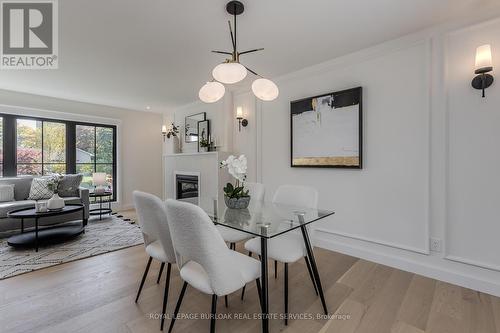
(211, 178)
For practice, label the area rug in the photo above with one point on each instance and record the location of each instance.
(100, 237)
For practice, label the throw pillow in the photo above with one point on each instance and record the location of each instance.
(40, 188)
(6, 193)
(69, 185)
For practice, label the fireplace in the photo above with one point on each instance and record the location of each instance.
(187, 187)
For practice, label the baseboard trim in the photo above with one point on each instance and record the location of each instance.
(472, 262)
(406, 264)
(374, 241)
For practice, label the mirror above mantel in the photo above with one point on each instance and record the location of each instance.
(191, 126)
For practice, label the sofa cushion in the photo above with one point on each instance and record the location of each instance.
(7, 193)
(40, 188)
(6, 207)
(69, 185)
(22, 186)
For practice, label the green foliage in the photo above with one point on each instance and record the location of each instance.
(172, 131)
(204, 143)
(235, 191)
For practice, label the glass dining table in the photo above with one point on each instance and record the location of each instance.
(268, 220)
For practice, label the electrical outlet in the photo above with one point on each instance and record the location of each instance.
(436, 245)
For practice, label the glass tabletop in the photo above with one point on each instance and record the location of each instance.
(264, 219)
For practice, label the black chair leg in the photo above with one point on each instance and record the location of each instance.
(212, 313)
(225, 300)
(244, 287)
(161, 271)
(143, 279)
(275, 269)
(308, 264)
(286, 293)
(259, 291)
(165, 296)
(177, 306)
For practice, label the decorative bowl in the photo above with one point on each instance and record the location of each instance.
(237, 203)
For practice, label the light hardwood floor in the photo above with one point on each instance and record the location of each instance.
(97, 295)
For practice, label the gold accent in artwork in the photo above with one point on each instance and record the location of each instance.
(327, 161)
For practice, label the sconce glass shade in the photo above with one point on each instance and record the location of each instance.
(211, 92)
(99, 178)
(239, 112)
(265, 89)
(164, 129)
(483, 59)
(229, 72)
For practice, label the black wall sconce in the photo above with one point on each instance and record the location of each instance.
(241, 121)
(483, 66)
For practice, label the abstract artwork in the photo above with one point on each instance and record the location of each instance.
(326, 130)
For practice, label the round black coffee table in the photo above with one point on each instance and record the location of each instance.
(48, 235)
(101, 210)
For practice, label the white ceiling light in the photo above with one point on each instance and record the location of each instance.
(229, 72)
(211, 92)
(265, 89)
(232, 71)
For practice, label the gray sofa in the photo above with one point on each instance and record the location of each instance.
(22, 187)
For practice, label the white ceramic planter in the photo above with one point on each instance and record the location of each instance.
(55, 203)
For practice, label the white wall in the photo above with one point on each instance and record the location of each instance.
(431, 156)
(473, 152)
(139, 137)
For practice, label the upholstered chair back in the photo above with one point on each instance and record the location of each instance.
(294, 195)
(196, 238)
(152, 217)
(256, 191)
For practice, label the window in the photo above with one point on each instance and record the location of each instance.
(95, 151)
(41, 147)
(37, 146)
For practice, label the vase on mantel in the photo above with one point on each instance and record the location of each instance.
(172, 145)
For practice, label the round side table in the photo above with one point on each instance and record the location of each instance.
(101, 198)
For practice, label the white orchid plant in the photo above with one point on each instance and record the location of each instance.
(237, 167)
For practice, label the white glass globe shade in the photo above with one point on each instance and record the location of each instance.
(211, 92)
(265, 89)
(230, 72)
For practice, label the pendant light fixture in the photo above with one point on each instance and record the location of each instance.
(232, 71)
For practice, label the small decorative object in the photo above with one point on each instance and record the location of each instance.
(484, 65)
(235, 196)
(40, 207)
(55, 202)
(191, 126)
(171, 135)
(204, 135)
(241, 121)
(327, 130)
(99, 180)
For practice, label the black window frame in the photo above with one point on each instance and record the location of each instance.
(95, 163)
(42, 163)
(10, 145)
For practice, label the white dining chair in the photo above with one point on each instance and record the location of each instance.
(231, 236)
(290, 247)
(204, 260)
(152, 218)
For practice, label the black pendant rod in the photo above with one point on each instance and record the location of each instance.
(235, 35)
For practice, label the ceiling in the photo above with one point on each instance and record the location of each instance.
(133, 54)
